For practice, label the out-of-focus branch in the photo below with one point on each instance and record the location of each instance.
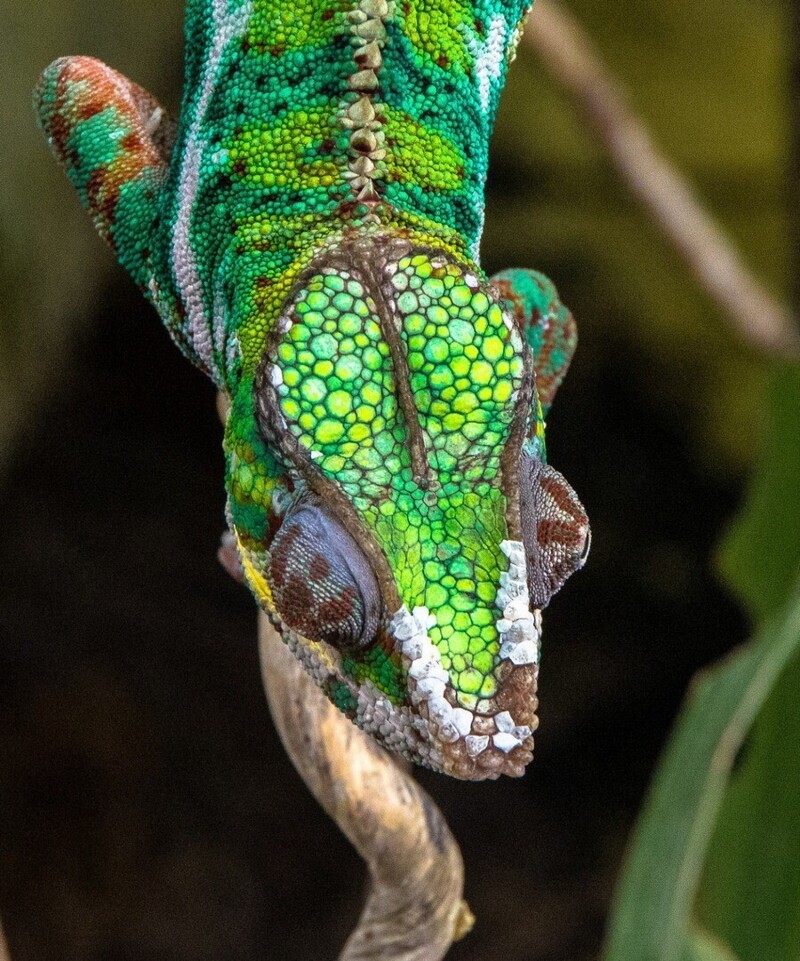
(4, 955)
(414, 908)
(569, 56)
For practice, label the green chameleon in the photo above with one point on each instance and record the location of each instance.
(309, 234)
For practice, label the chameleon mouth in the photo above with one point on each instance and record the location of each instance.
(496, 737)
(431, 729)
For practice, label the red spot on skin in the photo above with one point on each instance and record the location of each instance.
(327, 14)
(319, 568)
(332, 613)
(59, 130)
(560, 495)
(57, 125)
(442, 61)
(102, 194)
(90, 108)
(327, 146)
(240, 168)
(506, 290)
(277, 50)
(547, 532)
(348, 208)
(298, 601)
(130, 142)
(279, 560)
(273, 526)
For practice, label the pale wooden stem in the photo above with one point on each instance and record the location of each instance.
(569, 56)
(4, 955)
(414, 909)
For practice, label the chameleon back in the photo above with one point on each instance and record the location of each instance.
(308, 119)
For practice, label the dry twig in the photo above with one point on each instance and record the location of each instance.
(414, 909)
(569, 56)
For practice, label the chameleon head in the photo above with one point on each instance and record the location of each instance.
(416, 532)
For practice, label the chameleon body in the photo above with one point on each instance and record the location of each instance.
(309, 233)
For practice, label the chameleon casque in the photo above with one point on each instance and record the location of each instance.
(309, 234)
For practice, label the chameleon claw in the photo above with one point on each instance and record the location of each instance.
(228, 556)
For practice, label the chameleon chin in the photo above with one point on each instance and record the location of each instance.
(309, 233)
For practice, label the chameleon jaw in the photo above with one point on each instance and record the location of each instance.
(431, 729)
(493, 736)
(435, 725)
(493, 739)
(471, 740)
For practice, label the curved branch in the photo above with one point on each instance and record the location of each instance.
(414, 909)
(568, 55)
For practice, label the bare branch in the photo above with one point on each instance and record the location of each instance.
(414, 909)
(4, 955)
(567, 53)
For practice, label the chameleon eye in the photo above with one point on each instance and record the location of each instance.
(322, 584)
(555, 529)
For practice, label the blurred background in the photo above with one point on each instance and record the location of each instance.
(147, 810)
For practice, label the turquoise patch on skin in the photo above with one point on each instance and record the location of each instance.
(96, 142)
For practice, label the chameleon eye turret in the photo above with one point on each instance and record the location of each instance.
(310, 237)
(555, 529)
(321, 582)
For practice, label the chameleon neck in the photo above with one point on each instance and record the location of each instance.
(305, 121)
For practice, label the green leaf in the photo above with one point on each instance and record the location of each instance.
(651, 917)
(760, 557)
(703, 947)
(750, 893)
(749, 836)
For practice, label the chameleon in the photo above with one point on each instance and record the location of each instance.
(309, 230)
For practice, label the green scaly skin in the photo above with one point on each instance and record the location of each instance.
(309, 234)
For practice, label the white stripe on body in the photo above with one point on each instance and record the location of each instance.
(226, 27)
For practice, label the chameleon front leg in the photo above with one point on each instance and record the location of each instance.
(113, 139)
(546, 324)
